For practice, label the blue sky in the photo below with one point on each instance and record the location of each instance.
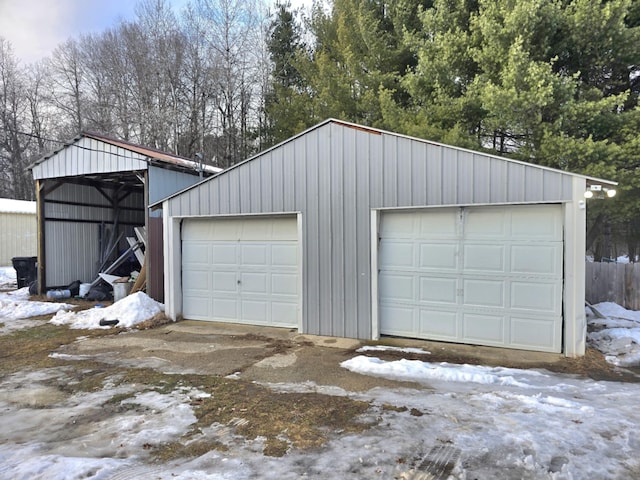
(36, 27)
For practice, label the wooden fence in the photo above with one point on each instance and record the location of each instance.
(613, 282)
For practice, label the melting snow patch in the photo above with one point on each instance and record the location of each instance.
(131, 310)
(16, 305)
(417, 371)
(617, 335)
(7, 278)
(385, 348)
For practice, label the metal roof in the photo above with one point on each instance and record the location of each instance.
(159, 157)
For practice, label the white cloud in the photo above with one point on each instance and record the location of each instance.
(36, 27)
(33, 26)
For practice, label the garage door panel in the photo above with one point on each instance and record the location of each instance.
(223, 254)
(532, 223)
(224, 308)
(477, 269)
(196, 281)
(194, 252)
(402, 225)
(485, 329)
(537, 297)
(254, 283)
(486, 223)
(537, 259)
(484, 293)
(439, 324)
(399, 254)
(438, 224)
(438, 290)
(400, 319)
(224, 282)
(255, 311)
(485, 258)
(195, 230)
(283, 313)
(199, 307)
(243, 270)
(285, 255)
(397, 286)
(284, 284)
(438, 256)
(533, 332)
(254, 254)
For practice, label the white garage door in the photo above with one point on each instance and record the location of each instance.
(241, 270)
(477, 275)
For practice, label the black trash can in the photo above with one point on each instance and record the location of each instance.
(26, 270)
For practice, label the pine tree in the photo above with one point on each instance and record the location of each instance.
(285, 111)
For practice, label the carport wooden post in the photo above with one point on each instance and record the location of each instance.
(575, 222)
(41, 240)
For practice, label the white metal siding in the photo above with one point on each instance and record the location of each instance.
(89, 156)
(18, 233)
(334, 175)
(241, 270)
(477, 275)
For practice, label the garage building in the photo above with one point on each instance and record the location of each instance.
(349, 231)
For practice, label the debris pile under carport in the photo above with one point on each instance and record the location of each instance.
(122, 286)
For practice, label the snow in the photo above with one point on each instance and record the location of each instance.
(617, 335)
(493, 422)
(129, 311)
(8, 205)
(7, 278)
(385, 348)
(425, 372)
(15, 306)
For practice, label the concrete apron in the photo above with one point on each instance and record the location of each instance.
(264, 354)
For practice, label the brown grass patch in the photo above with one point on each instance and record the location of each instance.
(30, 347)
(156, 321)
(285, 420)
(303, 419)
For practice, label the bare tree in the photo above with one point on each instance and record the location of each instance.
(232, 33)
(67, 86)
(14, 119)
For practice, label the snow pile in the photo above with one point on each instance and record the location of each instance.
(16, 305)
(418, 371)
(131, 310)
(385, 348)
(7, 278)
(9, 205)
(617, 335)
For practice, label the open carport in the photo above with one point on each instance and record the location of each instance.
(91, 195)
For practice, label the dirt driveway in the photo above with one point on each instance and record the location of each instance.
(271, 355)
(247, 387)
